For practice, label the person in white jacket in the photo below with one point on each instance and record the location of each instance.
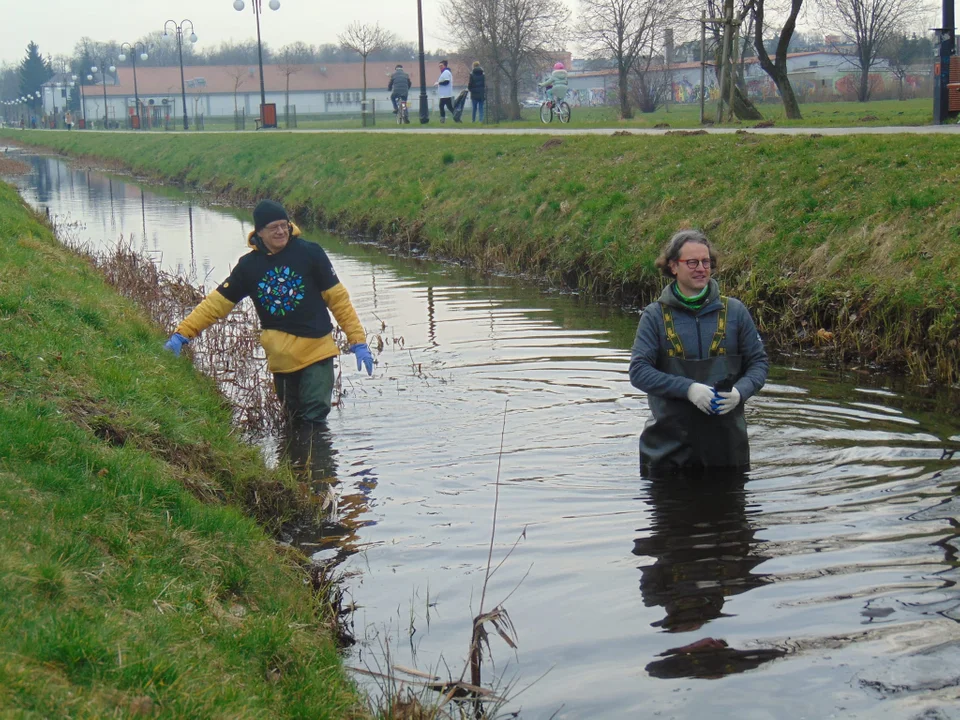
(445, 90)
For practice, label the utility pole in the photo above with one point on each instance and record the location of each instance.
(725, 54)
(946, 41)
(703, 62)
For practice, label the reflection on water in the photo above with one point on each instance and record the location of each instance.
(310, 450)
(704, 550)
(703, 546)
(822, 584)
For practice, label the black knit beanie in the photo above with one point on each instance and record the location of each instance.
(266, 212)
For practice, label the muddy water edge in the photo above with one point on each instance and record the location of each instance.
(821, 584)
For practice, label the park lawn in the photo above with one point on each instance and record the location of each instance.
(131, 583)
(876, 113)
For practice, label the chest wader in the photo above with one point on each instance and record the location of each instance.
(679, 434)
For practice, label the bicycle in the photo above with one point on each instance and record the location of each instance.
(403, 115)
(549, 107)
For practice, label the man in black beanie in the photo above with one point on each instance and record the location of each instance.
(294, 289)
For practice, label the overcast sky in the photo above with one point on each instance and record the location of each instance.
(56, 25)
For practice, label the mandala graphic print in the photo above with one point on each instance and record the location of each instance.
(280, 291)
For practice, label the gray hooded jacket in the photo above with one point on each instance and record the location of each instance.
(696, 330)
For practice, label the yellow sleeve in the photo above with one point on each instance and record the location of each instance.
(214, 307)
(338, 300)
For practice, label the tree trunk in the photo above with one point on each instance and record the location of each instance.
(863, 87)
(497, 100)
(743, 108)
(514, 109)
(626, 112)
(777, 70)
(790, 104)
(364, 78)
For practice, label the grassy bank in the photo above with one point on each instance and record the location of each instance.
(121, 593)
(847, 244)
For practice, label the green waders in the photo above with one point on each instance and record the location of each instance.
(678, 434)
(307, 394)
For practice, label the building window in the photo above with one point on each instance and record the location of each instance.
(356, 97)
(329, 97)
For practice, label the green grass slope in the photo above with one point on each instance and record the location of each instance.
(121, 593)
(856, 236)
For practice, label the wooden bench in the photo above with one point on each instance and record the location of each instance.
(258, 122)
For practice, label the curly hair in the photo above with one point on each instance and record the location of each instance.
(671, 251)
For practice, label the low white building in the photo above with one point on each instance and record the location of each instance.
(217, 90)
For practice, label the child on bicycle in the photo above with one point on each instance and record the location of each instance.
(556, 84)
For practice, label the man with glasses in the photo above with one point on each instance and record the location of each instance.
(294, 289)
(698, 356)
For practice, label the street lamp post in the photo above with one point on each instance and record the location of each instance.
(83, 102)
(424, 112)
(257, 9)
(193, 39)
(103, 76)
(133, 59)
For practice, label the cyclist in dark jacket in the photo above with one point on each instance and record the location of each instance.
(477, 85)
(399, 86)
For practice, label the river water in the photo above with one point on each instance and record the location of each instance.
(821, 585)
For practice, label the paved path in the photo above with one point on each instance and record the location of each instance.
(556, 129)
(952, 129)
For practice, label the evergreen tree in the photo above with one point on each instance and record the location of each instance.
(34, 72)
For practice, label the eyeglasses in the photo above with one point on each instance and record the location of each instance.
(277, 228)
(692, 264)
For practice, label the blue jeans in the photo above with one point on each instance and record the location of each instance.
(477, 108)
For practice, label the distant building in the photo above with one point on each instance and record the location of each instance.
(218, 90)
(814, 76)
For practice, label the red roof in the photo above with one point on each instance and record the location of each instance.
(222, 78)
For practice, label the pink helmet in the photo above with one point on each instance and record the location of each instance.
(558, 66)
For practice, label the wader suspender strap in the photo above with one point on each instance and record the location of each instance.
(676, 349)
(716, 346)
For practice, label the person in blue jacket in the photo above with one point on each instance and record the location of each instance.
(699, 358)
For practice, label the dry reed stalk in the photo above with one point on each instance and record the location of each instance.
(228, 351)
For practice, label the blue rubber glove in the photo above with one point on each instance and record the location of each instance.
(364, 358)
(727, 401)
(176, 343)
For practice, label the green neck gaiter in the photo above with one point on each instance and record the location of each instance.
(694, 303)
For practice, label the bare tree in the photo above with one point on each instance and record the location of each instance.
(650, 86)
(513, 38)
(901, 53)
(777, 67)
(289, 66)
(298, 52)
(364, 39)
(624, 31)
(738, 10)
(237, 73)
(866, 26)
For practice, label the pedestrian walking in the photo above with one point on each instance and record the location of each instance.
(445, 90)
(477, 85)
